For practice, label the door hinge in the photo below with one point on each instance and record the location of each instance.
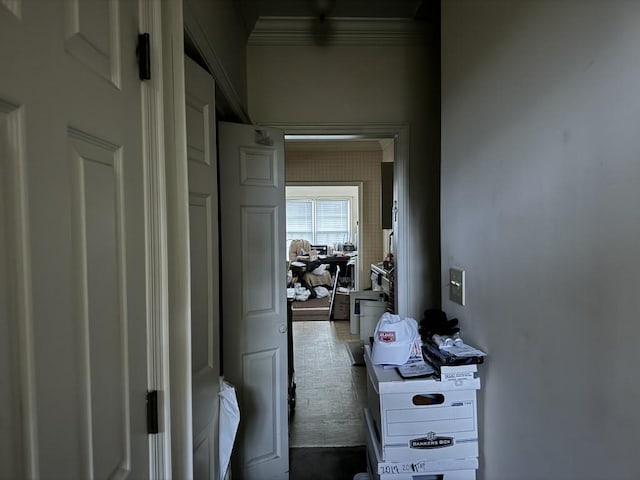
(143, 52)
(152, 412)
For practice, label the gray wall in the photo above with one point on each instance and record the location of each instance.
(225, 37)
(541, 207)
(365, 84)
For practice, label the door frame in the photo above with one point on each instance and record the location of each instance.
(153, 126)
(173, 332)
(400, 133)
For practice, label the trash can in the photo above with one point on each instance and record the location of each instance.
(370, 313)
(229, 420)
(362, 476)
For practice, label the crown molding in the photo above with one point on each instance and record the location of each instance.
(206, 50)
(302, 31)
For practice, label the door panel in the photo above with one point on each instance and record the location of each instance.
(200, 242)
(99, 251)
(260, 286)
(75, 242)
(255, 341)
(203, 231)
(262, 395)
(13, 6)
(91, 36)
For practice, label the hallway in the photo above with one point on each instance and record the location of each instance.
(331, 392)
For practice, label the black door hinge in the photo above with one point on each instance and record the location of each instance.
(152, 412)
(143, 51)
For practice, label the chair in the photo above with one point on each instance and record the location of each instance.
(296, 247)
(321, 249)
(333, 292)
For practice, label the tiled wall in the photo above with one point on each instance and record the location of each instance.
(348, 166)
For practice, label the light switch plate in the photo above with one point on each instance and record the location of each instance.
(456, 285)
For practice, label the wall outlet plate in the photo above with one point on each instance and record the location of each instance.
(456, 285)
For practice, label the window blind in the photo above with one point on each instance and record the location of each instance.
(320, 221)
(300, 220)
(332, 221)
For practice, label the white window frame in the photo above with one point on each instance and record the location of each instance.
(314, 217)
(333, 190)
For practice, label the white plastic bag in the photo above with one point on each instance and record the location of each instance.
(229, 421)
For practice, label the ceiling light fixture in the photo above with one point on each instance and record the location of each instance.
(323, 8)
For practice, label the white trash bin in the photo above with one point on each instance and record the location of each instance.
(362, 476)
(229, 421)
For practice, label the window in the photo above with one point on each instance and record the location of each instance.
(321, 221)
(300, 220)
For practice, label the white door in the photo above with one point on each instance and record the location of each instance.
(252, 201)
(73, 367)
(204, 252)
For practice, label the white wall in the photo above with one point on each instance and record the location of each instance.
(358, 84)
(540, 196)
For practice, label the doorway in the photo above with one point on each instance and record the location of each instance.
(330, 378)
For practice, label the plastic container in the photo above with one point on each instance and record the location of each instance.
(362, 476)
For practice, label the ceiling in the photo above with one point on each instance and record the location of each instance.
(253, 9)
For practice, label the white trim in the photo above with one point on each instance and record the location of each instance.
(329, 145)
(302, 31)
(26, 336)
(400, 132)
(19, 244)
(359, 280)
(179, 292)
(156, 241)
(194, 30)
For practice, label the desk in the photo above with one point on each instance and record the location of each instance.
(343, 262)
(332, 261)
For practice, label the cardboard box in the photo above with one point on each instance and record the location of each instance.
(356, 298)
(312, 309)
(421, 419)
(370, 313)
(341, 306)
(410, 468)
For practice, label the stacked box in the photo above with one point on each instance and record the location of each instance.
(426, 421)
(455, 469)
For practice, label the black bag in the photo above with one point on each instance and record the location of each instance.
(312, 265)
